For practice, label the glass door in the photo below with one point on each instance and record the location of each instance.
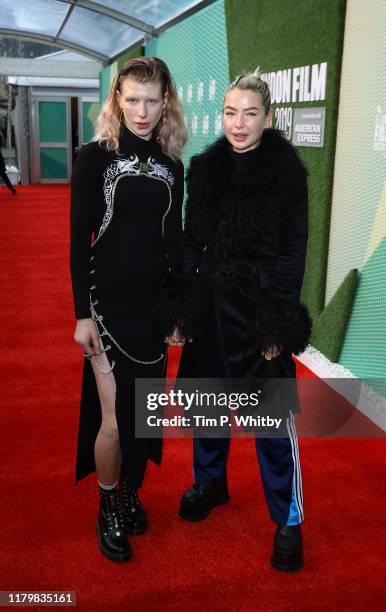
(52, 160)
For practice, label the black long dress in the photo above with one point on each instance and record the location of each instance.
(125, 231)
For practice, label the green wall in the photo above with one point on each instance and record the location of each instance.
(358, 221)
(285, 34)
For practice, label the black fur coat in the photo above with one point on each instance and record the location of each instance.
(243, 257)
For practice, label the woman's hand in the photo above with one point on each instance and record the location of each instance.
(271, 353)
(175, 339)
(86, 335)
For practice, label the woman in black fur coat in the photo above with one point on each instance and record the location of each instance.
(243, 260)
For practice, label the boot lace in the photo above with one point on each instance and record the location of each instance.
(130, 496)
(113, 513)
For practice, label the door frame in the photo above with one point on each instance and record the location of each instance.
(36, 144)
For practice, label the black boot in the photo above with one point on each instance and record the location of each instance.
(134, 513)
(198, 501)
(287, 553)
(110, 527)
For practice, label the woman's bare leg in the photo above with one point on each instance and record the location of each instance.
(111, 530)
(107, 448)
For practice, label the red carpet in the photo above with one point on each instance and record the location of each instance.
(48, 535)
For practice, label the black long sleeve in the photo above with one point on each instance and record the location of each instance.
(192, 250)
(193, 241)
(282, 320)
(293, 239)
(82, 220)
(173, 226)
(168, 301)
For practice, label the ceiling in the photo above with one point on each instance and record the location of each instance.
(98, 29)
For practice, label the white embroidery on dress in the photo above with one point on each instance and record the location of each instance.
(155, 169)
(131, 167)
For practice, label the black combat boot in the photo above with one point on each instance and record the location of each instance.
(134, 513)
(110, 527)
(287, 553)
(198, 501)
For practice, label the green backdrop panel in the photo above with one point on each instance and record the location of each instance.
(358, 222)
(330, 326)
(52, 121)
(90, 111)
(196, 52)
(281, 35)
(366, 331)
(53, 163)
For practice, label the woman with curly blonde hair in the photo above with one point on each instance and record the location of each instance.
(127, 193)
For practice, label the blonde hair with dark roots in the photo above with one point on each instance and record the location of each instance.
(253, 81)
(170, 132)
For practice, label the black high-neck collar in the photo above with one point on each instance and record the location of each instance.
(128, 141)
(243, 155)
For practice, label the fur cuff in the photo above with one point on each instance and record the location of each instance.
(282, 323)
